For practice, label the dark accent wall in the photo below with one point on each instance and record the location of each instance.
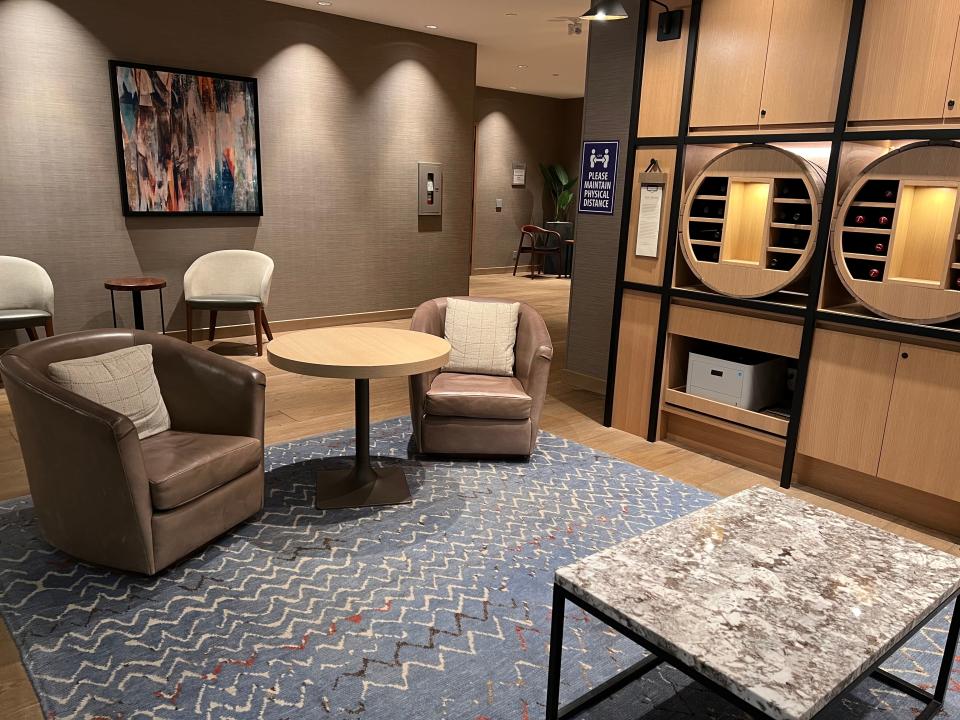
(512, 127)
(347, 108)
(610, 69)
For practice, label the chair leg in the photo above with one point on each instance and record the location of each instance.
(213, 324)
(31, 333)
(189, 324)
(258, 324)
(48, 327)
(266, 323)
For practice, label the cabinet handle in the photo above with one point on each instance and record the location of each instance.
(951, 104)
(904, 355)
(763, 113)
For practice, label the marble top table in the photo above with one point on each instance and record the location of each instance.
(781, 603)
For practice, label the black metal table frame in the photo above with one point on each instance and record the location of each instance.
(138, 309)
(933, 701)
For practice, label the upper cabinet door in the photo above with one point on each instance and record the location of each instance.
(951, 109)
(731, 52)
(801, 83)
(920, 448)
(903, 65)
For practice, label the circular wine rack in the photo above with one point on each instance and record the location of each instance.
(894, 235)
(749, 222)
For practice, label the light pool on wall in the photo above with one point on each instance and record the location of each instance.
(187, 142)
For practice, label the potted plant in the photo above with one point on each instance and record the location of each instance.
(560, 185)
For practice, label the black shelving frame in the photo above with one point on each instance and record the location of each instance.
(809, 311)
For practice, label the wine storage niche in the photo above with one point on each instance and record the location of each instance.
(749, 221)
(894, 236)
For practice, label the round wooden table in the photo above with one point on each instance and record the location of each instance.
(135, 286)
(361, 354)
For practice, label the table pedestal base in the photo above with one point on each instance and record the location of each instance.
(361, 485)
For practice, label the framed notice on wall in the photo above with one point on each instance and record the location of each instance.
(598, 177)
(519, 174)
(650, 211)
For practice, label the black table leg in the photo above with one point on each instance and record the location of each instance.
(556, 654)
(361, 485)
(113, 308)
(949, 653)
(137, 310)
(163, 322)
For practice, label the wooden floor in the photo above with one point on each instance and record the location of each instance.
(298, 406)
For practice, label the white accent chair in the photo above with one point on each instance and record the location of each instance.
(229, 280)
(26, 296)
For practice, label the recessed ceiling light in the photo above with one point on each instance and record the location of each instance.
(431, 27)
(556, 74)
(511, 14)
(513, 87)
(521, 67)
(324, 3)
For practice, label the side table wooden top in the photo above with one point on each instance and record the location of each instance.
(358, 352)
(135, 283)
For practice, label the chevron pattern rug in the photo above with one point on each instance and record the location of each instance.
(437, 609)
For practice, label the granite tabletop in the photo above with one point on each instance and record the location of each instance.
(779, 601)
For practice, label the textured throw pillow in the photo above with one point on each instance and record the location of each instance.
(122, 380)
(481, 336)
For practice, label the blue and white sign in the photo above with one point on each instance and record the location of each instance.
(598, 176)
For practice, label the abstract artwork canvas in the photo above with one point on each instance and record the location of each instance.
(187, 142)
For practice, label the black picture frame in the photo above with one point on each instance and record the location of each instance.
(251, 82)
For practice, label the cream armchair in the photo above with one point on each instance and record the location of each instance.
(229, 280)
(471, 415)
(26, 296)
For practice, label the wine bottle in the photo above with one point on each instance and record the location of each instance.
(883, 220)
(956, 282)
(889, 195)
(874, 273)
(859, 220)
(774, 262)
(880, 248)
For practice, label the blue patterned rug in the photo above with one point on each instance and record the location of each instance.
(438, 609)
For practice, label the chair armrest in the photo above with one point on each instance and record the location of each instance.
(534, 353)
(85, 470)
(207, 393)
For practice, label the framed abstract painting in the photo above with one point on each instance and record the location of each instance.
(188, 143)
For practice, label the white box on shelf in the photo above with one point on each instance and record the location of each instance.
(753, 382)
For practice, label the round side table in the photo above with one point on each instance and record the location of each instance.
(360, 354)
(135, 286)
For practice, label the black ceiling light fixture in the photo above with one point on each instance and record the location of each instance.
(669, 23)
(605, 10)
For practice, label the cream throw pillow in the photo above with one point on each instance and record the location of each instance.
(481, 336)
(122, 380)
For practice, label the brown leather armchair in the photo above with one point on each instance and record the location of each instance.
(461, 414)
(103, 495)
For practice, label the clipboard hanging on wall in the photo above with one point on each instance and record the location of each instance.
(653, 181)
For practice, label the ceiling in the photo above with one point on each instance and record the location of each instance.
(555, 61)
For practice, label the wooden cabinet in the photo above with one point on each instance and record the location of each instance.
(848, 395)
(904, 61)
(920, 445)
(801, 82)
(884, 409)
(768, 62)
(639, 320)
(731, 51)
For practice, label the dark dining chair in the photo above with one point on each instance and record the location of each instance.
(543, 242)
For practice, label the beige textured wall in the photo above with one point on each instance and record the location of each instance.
(610, 61)
(517, 127)
(346, 110)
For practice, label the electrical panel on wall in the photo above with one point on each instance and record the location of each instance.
(430, 183)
